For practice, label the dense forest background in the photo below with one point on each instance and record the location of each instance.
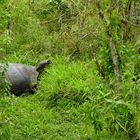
(91, 88)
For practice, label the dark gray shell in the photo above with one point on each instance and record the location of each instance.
(21, 77)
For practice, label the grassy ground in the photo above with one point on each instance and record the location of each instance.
(71, 103)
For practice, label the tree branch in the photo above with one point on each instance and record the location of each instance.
(93, 57)
(125, 21)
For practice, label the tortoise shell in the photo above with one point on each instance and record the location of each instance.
(21, 77)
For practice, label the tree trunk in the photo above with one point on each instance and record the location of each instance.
(115, 63)
(114, 55)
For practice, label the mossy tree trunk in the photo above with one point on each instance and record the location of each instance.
(112, 46)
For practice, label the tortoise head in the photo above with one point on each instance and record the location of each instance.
(40, 66)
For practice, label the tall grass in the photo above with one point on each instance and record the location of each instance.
(71, 102)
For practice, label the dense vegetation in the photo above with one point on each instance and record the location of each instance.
(91, 88)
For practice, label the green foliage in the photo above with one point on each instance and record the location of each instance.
(71, 81)
(51, 13)
(69, 104)
(71, 101)
(4, 86)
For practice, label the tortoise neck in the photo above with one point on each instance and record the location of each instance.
(40, 66)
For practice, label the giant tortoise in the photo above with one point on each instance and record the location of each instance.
(23, 78)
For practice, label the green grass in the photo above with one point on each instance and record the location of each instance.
(71, 103)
